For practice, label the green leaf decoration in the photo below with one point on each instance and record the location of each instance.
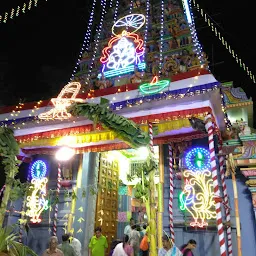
(83, 192)
(124, 128)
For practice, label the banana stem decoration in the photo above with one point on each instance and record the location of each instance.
(9, 149)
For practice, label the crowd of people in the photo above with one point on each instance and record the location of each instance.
(70, 246)
(135, 243)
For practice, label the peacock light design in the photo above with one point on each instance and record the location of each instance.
(197, 196)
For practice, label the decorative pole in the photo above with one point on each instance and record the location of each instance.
(151, 198)
(232, 167)
(226, 200)
(2, 190)
(171, 193)
(54, 231)
(209, 128)
(21, 226)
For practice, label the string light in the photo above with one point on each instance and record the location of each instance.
(146, 27)
(161, 38)
(197, 197)
(191, 24)
(116, 10)
(103, 12)
(15, 12)
(86, 41)
(224, 42)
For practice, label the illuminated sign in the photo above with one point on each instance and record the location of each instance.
(38, 169)
(154, 86)
(198, 159)
(36, 202)
(124, 51)
(197, 197)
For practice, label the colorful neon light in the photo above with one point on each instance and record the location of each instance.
(125, 50)
(122, 50)
(121, 71)
(198, 159)
(66, 97)
(133, 21)
(154, 86)
(36, 202)
(197, 197)
(38, 169)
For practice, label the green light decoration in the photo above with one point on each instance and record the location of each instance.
(154, 86)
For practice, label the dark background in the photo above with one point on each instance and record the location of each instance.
(39, 49)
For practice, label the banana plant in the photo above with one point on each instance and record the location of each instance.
(9, 245)
(9, 149)
(124, 128)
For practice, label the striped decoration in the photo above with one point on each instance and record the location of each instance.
(54, 232)
(151, 143)
(226, 200)
(171, 193)
(209, 128)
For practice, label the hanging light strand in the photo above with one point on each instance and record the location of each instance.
(86, 41)
(131, 7)
(15, 12)
(146, 27)
(209, 22)
(98, 34)
(191, 23)
(115, 12)
(161, 38)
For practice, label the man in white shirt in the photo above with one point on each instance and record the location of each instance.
(76, 244)
(128, 229)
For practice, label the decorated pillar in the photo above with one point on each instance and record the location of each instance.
(171, 193)
(226, 200)
(210, 129)
(160, 198)
(56, 210)
(151, 199)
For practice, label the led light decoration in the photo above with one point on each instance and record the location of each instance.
(36, 202)
(155, 86)
(124, 50)
(38, 169)
(66, 97)
(197, 197)
(198, 159)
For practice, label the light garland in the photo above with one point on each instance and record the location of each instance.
(103, 12)
(197, 197)
(161, 38)
(146, 27)
(15, 12)
(223, 41)
(191, 23)
(86, 41)
(116, 10)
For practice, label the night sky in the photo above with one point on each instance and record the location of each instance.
(38, 49)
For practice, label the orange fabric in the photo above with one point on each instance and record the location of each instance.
(144, 243)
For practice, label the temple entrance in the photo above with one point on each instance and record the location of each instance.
(119, 191)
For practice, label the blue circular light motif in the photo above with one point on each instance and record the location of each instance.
(38, 169)
(198, 159)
